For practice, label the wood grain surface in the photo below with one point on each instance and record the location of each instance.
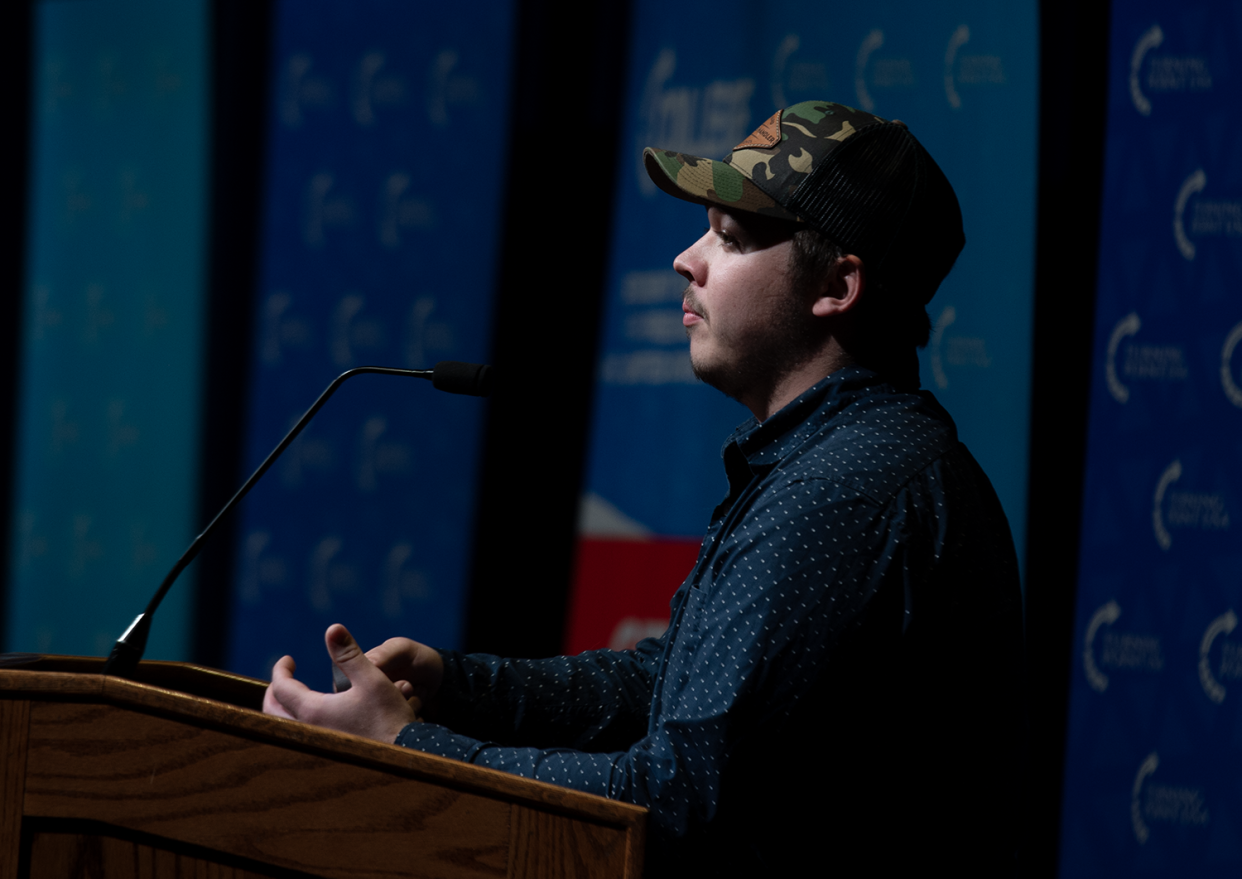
(270, 791)
(77, 856)
(253, 800)
(559, 848)
(14, 733)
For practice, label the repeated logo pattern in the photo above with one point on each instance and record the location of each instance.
(374, 253)
(1154, 712)
(108, 419)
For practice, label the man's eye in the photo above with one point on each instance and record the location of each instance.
(726, 239)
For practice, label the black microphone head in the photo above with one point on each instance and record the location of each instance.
(456, 377)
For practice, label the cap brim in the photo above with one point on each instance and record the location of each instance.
(707, 182)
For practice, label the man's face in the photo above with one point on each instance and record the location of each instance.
(747, 327)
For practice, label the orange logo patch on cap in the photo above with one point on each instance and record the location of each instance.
(765, 136)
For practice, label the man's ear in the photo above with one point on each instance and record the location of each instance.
(843, 290)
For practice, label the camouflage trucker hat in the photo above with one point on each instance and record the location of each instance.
(864, 182)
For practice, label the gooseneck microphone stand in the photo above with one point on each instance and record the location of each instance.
(447, 375)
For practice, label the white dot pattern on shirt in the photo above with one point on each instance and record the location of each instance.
(864, 487)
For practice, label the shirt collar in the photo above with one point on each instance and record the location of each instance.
(764, 444)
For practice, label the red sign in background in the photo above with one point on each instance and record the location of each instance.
(622, 589)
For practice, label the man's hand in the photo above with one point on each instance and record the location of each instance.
(373, 706)
(416, 669)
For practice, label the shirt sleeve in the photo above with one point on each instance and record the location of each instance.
(752, 628)
(599, 700)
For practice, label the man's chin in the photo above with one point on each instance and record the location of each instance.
(720, 376)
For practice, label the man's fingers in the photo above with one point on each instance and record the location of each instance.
(284, 667)
(288, 696)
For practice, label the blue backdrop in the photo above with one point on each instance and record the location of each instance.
(108, 412)
(387, 126)
(1153, 775)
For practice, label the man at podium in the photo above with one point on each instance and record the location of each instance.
(840, 678)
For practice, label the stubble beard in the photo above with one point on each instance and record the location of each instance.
(756, 361)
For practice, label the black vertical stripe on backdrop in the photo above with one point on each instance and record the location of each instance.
(241, 33)
(568, 108)
(1072, 114)
(16, 23)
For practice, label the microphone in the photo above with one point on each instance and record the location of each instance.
(451, 376)
(455, 377)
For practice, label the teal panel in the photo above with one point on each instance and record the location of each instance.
(108, 411)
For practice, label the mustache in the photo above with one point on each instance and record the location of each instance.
(690, 301)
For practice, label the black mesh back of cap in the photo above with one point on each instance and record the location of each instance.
(881, 197)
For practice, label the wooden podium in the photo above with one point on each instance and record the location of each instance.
(178, 774)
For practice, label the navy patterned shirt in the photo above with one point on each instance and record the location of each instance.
(842, 662)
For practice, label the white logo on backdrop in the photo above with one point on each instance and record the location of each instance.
(1140, 361)
(937, 340)
(374, 89)
(1186, 509)
(447, 88)
(342, 318)
(1171, 474)
(324, 209)
(425, 336)
(798, 76)
(1147, 767)
(1232, 391)
(364, 113)
(328, 576)
(788, 46)
(1105, 616)
(100, 316)
(351, 332)
(401, 582)
(1222, 625)
(135, 197)
(302, 90)
(46, 315)
(1148, 41)
(1162, 803)
(306, 452)
(882, 72)
(960, 37)
(1127, 326)
(399, 211)
(1165, 73)
(121, 432)
(1194, 183)
(376, 458)
(65, 430)
(706, 121)
(32, 543)
(870, 43)
(966, 351)
(968, 69)
(281, 329)
(372, 430)
(1122, 651)
(142, 551)
(259, 569)
(1211, 217)
(85, 546)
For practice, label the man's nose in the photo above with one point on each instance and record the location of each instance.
(689, 264)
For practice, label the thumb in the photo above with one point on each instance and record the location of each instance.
(345, 653)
